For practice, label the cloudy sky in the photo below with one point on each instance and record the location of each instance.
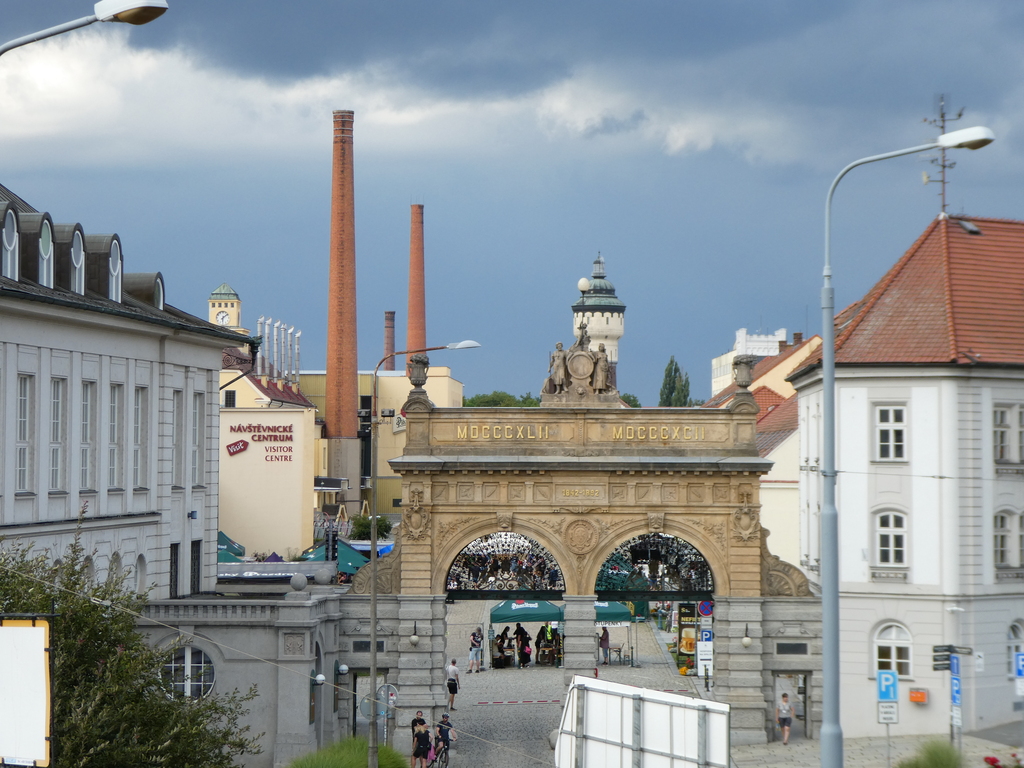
(690, 143)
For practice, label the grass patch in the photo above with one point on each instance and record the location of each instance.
(350, 753)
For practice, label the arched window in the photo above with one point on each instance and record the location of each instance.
(1001, 539)
(1014, 645)
(890, 539)
(78, 263)
(140, 575)
(892, 649)
(190, 672)
(114, 568)
(9, 245)
(114, 265)
(46, 254)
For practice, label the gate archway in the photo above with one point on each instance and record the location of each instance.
(503, 565)
(655, 566)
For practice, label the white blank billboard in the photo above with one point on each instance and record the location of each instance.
(25, 683)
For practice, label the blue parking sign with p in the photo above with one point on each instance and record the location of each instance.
(1018, 664)
(888, 682)
(955, 691)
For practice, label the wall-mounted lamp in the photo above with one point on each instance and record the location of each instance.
(342, 669)
(746, 642)
(414, 638)
(319, 680)
(193, 515)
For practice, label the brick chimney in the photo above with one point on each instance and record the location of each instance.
(342, 395)
(389, 339)
(416, 333)
(798, 338)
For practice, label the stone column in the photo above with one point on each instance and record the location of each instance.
(295, 734)
(739, 671)
(421, 683)
(579, 646)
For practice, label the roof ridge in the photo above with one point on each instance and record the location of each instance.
(947, 285)
(879, 289)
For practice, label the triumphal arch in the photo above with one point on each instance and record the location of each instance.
(581, 477)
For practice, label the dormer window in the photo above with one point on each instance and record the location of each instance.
(9, 246)
(78, 264)
(46, 254)
(114, 266)
(158, 292)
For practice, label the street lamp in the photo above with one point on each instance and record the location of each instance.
(831, 731)
(127, 11)
(374, 424)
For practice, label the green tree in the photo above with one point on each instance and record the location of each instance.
(361, 528)
(631, 400)
(499, 399)
(681, 391)
(112, 705)
(668, 384)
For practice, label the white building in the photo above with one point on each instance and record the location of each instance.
(108, 404)
(756, 344)
(930, 455)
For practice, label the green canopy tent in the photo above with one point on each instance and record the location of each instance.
(226, 544)
(525, 610)
(223, 556)
(612, 614)
(349, 560)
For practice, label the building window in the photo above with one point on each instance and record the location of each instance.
(1001, 540)
(1014, 645)
(9, 246)
(892, 649)
(177, 450)
(190, 672)
(891, 534)
(24, 434)
(196, 567)
(1001, 434)
(230, 396)
(78, 263)
(58, 432)
(86, 446)
(140, 437)
(890, 430)
(114, 264)
(175, 565)
(46, 255)
(114, 445)
(197, 439)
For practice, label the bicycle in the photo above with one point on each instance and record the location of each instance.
(440, 756)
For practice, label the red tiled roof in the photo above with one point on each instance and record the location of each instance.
(766, 398)
(954, 297)
(277, 391)
(776, 425)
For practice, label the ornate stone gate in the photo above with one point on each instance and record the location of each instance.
(580, 478)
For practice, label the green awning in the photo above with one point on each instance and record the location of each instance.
(223, 556)
(525, 610)
(226, 544)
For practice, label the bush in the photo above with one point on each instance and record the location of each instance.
(350, 753)
(361, 528)
(933, 754)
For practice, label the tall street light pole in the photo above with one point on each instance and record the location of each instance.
(127, 11)
(374, 425)
(831, 731)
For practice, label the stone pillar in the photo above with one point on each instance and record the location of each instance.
(420, 682)
(739, 671)
(579, 645)
(295, 734)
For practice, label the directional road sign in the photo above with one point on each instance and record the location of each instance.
(955, 689)
(888, 685)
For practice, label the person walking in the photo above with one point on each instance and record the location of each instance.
(605, 644)
(784, 717)
(416, 722)
(476, 640)
(421, 745)
(452, 673)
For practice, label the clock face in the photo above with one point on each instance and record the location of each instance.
(222, 318)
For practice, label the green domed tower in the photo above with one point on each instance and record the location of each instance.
(603, 313)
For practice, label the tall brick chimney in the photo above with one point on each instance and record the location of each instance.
(389, 339)
(416, 333)
(342, 394)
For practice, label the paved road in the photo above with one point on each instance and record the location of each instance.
(504, 717)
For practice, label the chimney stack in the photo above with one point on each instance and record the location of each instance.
(798, 338)
(416, 333)
(389, 339)
(342, 395)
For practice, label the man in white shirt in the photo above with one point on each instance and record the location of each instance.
(452, 673)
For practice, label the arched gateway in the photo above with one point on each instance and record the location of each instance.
(581, 477)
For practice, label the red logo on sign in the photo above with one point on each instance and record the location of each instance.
(238, 447)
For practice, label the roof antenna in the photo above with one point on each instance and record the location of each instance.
(940, 123)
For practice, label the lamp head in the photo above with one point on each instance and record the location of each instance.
(966, 138)
(319, 680)
(343, 669)
(467, 344)
(583, 285)
(130, 11)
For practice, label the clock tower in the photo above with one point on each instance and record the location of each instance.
(226, 309)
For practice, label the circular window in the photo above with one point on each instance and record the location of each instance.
(190, 672)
